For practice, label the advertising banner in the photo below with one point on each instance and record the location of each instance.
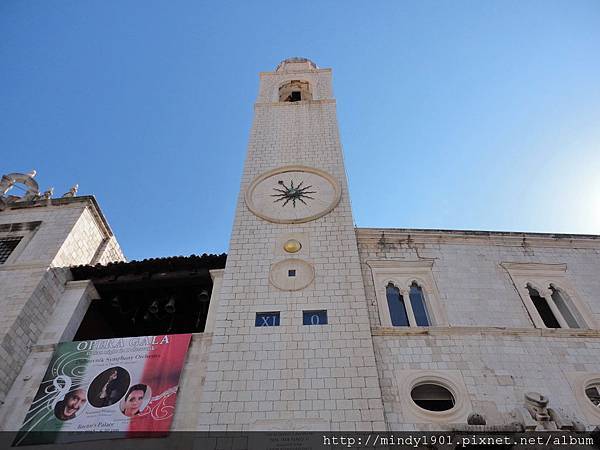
(116, 385)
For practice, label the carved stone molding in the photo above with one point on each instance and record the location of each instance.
(402, 273)
(449, 379)
(264, 199)
(291, 274)
(579, 381)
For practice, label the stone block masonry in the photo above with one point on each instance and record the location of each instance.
(322, 375)
(69, 232)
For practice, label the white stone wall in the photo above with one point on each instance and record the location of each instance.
(474, 289)
(191, 383)
(109, 252)
(497, 370)
(72, 299)
(24, 386)
(24, 315)
(490, 341)
(70, 233)
(57, 223)
(82, 242)
(323, 377)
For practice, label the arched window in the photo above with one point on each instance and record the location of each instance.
(411, 313)
(415, 283)
(543, 308)
(554, 307)
(561, 302)
(417, 301)
(397, 307)
(295, 91)
(550, 297)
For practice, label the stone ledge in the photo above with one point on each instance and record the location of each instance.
(275, 73)
(493, 331)
(32, 265)
(304, 102)
(407, 237)
(72, 202)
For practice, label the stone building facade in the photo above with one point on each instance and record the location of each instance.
(40, 239)
(314, 324)
(488, 343)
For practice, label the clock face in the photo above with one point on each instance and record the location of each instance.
(293, 194)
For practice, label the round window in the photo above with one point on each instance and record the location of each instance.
(593, 393)
(432, 397)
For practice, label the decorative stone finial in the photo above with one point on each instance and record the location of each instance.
(536, 416)
(537, 405)
(32, 174)
(476, 419)
(72, 192)
(48, 193)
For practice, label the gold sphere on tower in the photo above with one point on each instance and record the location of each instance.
(292, 246)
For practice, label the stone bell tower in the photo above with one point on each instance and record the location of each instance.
(292, 345)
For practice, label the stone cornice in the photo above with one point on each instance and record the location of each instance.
(69, 201)
(533, 267)
(86, 285)
(263, 74)
(484, 331)
(399, 236)
(30, 265)
(293, 104)
(399, 264)
(216, 273)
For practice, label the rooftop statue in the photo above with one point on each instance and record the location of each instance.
(72, 192)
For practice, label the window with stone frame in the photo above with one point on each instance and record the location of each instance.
(593, 393)
(406, 293)
(586, 390)
(13, 239)
(7, 246)
(548, 295)
(433, 396)
(295, 91)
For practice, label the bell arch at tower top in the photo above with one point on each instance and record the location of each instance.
(301, 76)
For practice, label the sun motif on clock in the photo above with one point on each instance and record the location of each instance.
(292, 193)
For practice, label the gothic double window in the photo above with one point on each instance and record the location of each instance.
(548, 295)
(407, 313)
(406, 293)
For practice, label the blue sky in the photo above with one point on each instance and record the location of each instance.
(453, 114)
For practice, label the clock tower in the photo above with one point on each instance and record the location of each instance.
(291, 340)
